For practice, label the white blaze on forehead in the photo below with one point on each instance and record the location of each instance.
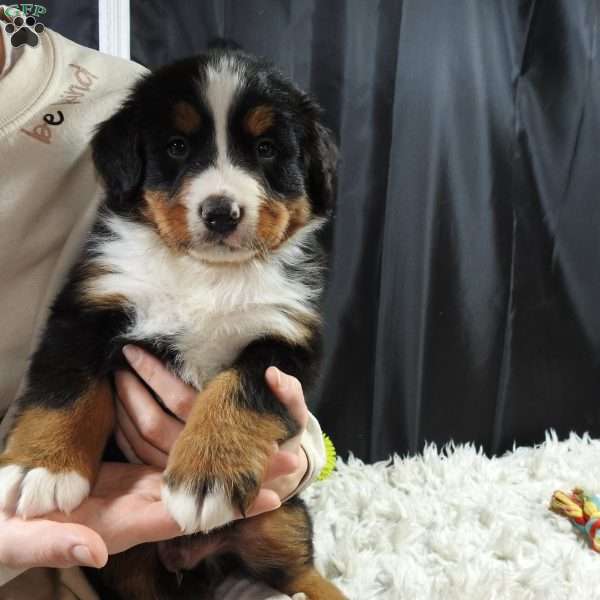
(223, 81)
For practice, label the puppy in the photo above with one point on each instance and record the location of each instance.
(205, 250)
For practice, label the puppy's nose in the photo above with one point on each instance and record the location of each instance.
(220, 214)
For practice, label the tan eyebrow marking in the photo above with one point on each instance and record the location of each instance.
(259, 119)
(187, 118)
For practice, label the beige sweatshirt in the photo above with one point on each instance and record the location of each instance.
(51, 98)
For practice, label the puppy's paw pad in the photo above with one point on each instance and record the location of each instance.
(194, 512)
(40, 491)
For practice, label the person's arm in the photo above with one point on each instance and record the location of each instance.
(146, 433)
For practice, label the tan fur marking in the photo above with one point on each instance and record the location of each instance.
(280, 540)
(314, 585)
(278, 220)
(300, 213)
(91, 270)
(187, 118)
(273, 220)
(275, 539)
(221, 439)
(89, 295)
(105, 301)
(169, 216)
(259, 120)
(66, 439)
(99, 300)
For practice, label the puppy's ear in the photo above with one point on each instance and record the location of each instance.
(321, 158)
(117, 153)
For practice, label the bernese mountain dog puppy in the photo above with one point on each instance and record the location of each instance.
(219, 175)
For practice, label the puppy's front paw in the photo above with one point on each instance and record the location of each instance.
(34, 491)
(219, 460)
(52, 455)
(204, 496)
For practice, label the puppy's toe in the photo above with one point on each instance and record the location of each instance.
(38, 491)
(10, 484)
(195, 510)
(43, 491)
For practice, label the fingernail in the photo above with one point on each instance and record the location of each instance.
(132, 354)
(277, 375)
(281, 380)
(83, 556)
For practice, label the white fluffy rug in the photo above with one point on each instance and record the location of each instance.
(456, 525)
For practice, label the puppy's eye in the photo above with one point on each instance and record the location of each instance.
(265, 149)
(177, 147)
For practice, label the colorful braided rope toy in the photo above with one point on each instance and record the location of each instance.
(583, 510)
(331, 455)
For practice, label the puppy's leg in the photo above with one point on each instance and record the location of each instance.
(52, 453)
(219, 460)
(276, 547)
(66, 412)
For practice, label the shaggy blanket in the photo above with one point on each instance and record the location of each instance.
(456, 525)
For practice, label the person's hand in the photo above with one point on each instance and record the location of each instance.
(123, 510)
(45, 543)
(146, 432)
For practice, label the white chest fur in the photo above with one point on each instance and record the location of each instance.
(210, 312)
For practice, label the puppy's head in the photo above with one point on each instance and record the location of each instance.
(221, 155)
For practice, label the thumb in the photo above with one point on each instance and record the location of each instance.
(289, 392)
(41, 543)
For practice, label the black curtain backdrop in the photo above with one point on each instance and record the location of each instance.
(76, 19)
(465, 295)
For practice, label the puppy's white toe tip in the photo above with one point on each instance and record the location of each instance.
(181, 506)
(71, 490)
(43, 491)
(214, 511)
(10, 481)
